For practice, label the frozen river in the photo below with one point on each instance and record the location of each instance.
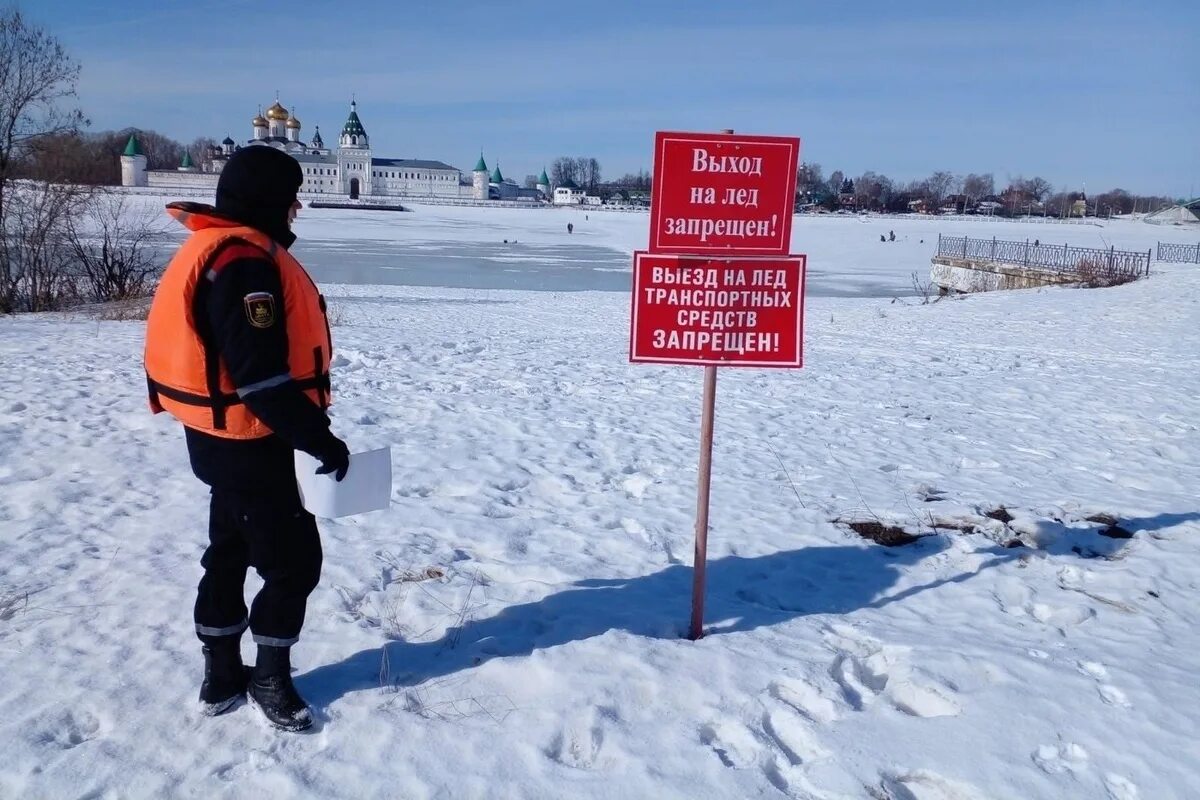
(500, 248)
(518, 265)
(466, 265)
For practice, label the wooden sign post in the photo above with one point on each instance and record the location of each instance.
(716, 286)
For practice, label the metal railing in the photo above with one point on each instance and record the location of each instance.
(1056, 257)
(1179, 253)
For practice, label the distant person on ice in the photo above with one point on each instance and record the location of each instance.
(570, 227)
(238, 350)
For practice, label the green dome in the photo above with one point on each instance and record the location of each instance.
(496, 176)
(542, 179)
(133, 148)
(187, 161)
(353, 126)
(480, 165)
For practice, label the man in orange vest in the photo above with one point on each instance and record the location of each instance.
(238, 350)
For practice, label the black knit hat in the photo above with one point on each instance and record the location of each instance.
(257, 187)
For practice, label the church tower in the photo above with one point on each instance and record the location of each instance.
(277, 116)
(133, 163)
(293, 127)
(543, 184)
(479, 179)
(354, 156)
(259, 124)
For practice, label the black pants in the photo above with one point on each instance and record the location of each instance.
(277, 537)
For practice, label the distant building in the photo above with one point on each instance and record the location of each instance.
(1184, 213)
(568, 194)
(1079, 206)
(351, 169)
(497, 187)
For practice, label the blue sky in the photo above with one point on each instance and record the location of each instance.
(1099, 93)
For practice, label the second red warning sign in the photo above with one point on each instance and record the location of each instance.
(715, 311)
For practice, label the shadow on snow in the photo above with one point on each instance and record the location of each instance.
(743, 594)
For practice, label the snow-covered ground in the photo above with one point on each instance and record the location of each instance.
(510, 628)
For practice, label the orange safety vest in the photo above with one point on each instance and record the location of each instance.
(186, 375)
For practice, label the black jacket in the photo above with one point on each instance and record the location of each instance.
(257, 188)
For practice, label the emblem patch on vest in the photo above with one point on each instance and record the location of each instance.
(260, 309)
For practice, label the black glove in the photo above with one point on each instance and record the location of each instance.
(335, 459)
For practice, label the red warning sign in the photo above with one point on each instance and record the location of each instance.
(716, 311)
(723, 193)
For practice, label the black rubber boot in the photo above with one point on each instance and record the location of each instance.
(225, 678)
(271, 689)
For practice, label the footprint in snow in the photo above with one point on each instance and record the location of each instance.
(1110, 694)
(924, 700)
(861, 679)
(787, 731)
(732, 742)
(69, 728)
(923, 784)
(580, 742)
(1113, 696)
(1120, 788)
(806, 699)
(1012, 595)
(1055, 759)
(865, 669)
(635, 485)
(1061, 617)
(256, 761)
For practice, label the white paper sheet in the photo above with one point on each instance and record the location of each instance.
(366, 487)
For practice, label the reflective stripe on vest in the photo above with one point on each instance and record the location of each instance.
(184, 375)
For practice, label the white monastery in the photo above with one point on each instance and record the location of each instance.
(350, 170)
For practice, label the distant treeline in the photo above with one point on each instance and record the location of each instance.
(90, 159)
(972, 193)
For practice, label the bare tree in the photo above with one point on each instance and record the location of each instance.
(834, 184)
(872, 191)
(202, 148)
(640, 180)
(977, 187)
(114, 243)
(593, 173)
(940, 184)
(35, 274)
(36, 76)
(162, 152)
(564, 170)
(1037, 188)
(809, 180)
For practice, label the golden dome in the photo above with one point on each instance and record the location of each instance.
(258, 121)
(293, 123)
(276, 111)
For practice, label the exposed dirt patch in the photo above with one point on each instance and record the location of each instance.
(952, 525)
(886, 535)
(1116, 532)
(1112, 528)
(999, 514)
